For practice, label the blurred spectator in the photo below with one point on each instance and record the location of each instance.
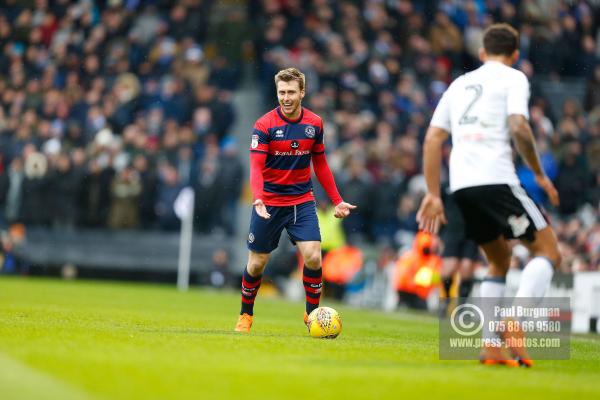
(65, 184)
(445, 37)
(125, 190)
(385, 195)
(168, 190)
(35, 191)
(355, 186)
(95, 195)
(209, 192)
(16, 175)
(527, 177)
(407, 214)
(332, 234)
(149, 186)
(231, 175)
(185, 165)
(418, 272)
(9, 262)
(573, 178)
(219, 276)
(340, 265)
(592, 92)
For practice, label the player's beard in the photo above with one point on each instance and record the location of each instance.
(294, 110)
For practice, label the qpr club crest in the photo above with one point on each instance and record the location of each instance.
(310, 132)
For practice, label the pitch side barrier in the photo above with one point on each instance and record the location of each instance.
(131, 251)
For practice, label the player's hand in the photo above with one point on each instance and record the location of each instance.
(431, 214)
(547, 186)
(261, 209)
(342, 210)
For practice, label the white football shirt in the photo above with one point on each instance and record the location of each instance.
(475, 110)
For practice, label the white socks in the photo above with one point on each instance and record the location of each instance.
(492, 287)
(535, 278)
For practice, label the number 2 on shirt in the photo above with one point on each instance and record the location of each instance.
(466, 118)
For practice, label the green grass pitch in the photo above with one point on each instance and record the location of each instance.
(99, 340)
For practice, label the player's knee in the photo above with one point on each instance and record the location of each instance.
(255, 269)
(553, 254)
(256, 264)
(313, 260)
(500, 265)
(550, 251)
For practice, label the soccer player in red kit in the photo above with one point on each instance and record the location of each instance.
(284, 142)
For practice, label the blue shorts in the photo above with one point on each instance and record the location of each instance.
(300, 222)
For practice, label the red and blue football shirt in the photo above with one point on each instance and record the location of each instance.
(289, 146)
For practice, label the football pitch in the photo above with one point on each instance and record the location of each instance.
(101, 340)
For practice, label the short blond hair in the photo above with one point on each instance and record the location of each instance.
(290, 74)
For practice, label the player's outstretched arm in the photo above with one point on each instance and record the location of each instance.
(525, 144)
(325, 177)
(431, 212)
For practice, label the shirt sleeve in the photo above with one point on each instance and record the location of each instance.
(517, 97)
(257, 165)
(260, 138)
(441, 115)
(325, 177)
(319, 145)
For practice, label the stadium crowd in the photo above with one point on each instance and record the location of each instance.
(107, 109)
(376, 69)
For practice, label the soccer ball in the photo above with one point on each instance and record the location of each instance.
(324, 323)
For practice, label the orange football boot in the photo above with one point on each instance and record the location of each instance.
(493, 355)
(515, 339)
(244, 323)
(306, 320)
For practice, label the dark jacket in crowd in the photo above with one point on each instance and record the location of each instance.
(95, 198)
(65, 188)
(34, 201)
(572, 183)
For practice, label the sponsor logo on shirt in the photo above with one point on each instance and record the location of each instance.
(292, 153)
(295, 144)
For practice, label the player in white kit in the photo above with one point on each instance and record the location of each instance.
(482, 110)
